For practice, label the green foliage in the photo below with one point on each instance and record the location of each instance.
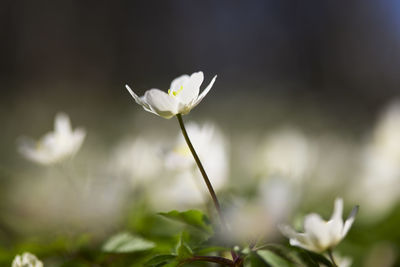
(195, 218)
(126, 243)
(160, 260)
(273, 259)
(277, 255)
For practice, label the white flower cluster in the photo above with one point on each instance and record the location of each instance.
(26, 260)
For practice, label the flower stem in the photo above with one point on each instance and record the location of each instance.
(235, 257)
(203, 172)
(332, 258)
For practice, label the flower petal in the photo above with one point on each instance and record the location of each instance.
(318, 231)
(161, 103)
(348, 223)
(140, 100)
(190, 89)
(297, 239)
(62, 124)
(28, 148)
(178, 82)
(205, 92)
(337, 210)
(77, 139)
(335, 224)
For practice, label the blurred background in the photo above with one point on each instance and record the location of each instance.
(304, 110)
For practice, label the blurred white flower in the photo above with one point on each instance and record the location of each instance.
(139, 159)
(380, 166)
(180, 191)
(253, 219)
(320, 235)
(182, 96)
(185, 186)
(54, 146)
(26, 260)
(286, 153)
(210, 145)
(278, 198)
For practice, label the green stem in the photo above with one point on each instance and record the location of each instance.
(332, 258)
(206, 180)
(203, 172)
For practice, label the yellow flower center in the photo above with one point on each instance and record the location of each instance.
(175, 93)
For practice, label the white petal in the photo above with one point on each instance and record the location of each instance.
(62, 124)
(205, 92)
(138, 99)
(178, 82)
(298, 239)
(335, 224)
(190, 89)
(77, 139)
(17, 262)
(160, 102)
(348, 223)
(318, 231)
(49, 140)
(337, 210)
(308, 245)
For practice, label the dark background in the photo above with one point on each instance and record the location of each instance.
(343, 55)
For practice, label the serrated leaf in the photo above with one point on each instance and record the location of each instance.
(195, 218)
(160, 260)
(273, 259)
(126, 243)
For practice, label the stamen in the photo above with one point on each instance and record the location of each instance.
(175, 93)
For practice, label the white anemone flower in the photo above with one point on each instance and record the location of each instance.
(182, 96)
(320, 235)
(26, 260)
(55, 146)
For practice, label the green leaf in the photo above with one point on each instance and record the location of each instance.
(301, 258)
(195, 218)
(183, 250)
(320, 259)
(172, 264)
(273, 259)
(253, 260)
(126, 243)
(160, 260)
